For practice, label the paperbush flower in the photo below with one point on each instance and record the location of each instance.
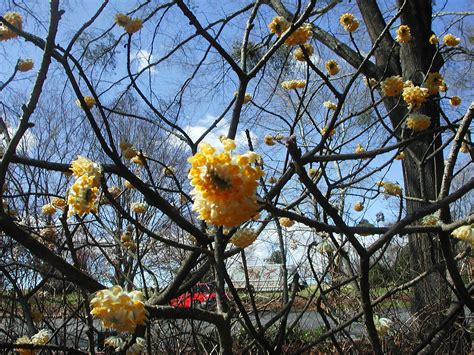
(89, 100)
(403, 34)
(138, 207)
(455, 101)
(349, 22)
(358, 206)
(314, 173)
(359, 149)
(451, 41)
(243, 238)
(128, 150)
(278, 25)
(83, 166)
(24, 340)
(25, 65)
(392, 86)
(48, 209)
(464, 148)
(465, 233)
(224, 184)
(391, 188)
(330, 105)
(169, 171)
(430, 220)
(433, 82)
(383, 325)
(293, 84)
(299, 55)
(83, 194)
(414, 96)
(433, 39)
(324, 130)
(247, 97)
(15, 19)
(286, 222)
(370, 82)
(269, 140)
(301, 35)
(41, 338)
(400, 156)
(128, 24)
(332, 67)
(119, 309)
(58, 202)
(325, 247)
(418, 122)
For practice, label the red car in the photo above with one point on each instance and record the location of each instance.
(202, 295)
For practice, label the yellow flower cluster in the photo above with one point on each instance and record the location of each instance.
(451, 41)
(314, 173)
(430, 220)
(383, 325)
(464, 148)
(224, 184)
(325, 247)
(349, 22)
(25, 65)
(330, 105)
(169, 171)
(278, 25)
(359, 149)
(300, 36)
(324, 130)
(48, 209)
(114, 191)
(83, 195)
(418, 122)
(58, 202)
(433, 82)
(392, 86)
(286, 222)
(129, 152)
(455, 101)
(299, 55)
(13, 18)
(414, 96)
(433, 39)
(40, 338)
(293, 84)
(370, 82)
(400, 156)
(391, 188)
(358, 206)
(465, 233)
(89, 100)
(138, 207)
(130, 25)
(243, 238)
(332, 67)
(269, 140)
(247, 97)
(119, 309)
(403, 34)
(126, 239)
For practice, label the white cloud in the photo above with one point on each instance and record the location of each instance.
(195, 131)
(143, 59)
